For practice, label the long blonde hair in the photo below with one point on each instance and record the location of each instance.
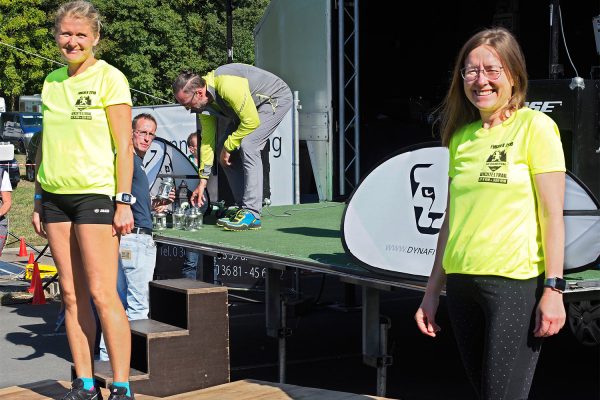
(456, 110)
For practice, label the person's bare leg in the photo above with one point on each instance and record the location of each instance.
(99, 251)
(80, 324)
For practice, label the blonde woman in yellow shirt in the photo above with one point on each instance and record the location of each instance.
(82, 201)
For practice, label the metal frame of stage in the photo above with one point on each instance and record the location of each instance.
(374, 331)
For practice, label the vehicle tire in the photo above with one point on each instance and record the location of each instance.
(584, 321)
(30, 173)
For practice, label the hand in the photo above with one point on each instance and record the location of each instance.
(550, 314)
(197, 198)
(123, 219)
(224, 159)
(161, 208)
(171, 196)
(160, 205)
(425, 315)
(38, 226)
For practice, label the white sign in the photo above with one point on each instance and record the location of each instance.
(393, 218)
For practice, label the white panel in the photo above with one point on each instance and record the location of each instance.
(394, 216)
(293, 40)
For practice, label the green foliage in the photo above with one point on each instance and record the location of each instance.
(24, 24)
(150, 41)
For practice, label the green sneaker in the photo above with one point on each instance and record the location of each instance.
(228, 216)
(244, 220)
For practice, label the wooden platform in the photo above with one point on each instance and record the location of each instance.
(239, 390)
(47, 390)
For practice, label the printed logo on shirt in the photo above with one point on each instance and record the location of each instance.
(496, 165)
(83, 102)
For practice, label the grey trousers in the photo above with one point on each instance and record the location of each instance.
(246, 177)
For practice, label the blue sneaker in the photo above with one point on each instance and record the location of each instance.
(228, 216)
(242, 221)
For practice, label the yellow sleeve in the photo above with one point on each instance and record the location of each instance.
(116, 88)
(544, 150)
(236, 92)
(207, 145)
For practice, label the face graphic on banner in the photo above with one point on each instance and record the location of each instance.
(428, 210)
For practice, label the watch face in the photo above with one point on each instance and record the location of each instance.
(126, 198)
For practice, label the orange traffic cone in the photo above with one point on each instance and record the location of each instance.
(31, 259)
(38, 294)
(22, 248)
(34, 277)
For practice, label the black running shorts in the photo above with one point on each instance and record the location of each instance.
(77, 208)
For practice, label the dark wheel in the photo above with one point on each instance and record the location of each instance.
(584, 320)
(30, 173)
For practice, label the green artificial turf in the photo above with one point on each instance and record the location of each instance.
(304, 232)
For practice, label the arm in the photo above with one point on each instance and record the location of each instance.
(550, 191)
(37, 203)
(425, 315)
(206, 149)
(206, 155)
(119, 120)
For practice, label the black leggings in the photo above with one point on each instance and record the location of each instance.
(493, 320)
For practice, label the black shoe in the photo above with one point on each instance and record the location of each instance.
(119, 393)
(77, 392)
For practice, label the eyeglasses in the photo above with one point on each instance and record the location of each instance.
(470, 74)
(189, 103)
(145, 134)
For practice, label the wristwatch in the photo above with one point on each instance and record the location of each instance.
(125, 198)
(558, 284)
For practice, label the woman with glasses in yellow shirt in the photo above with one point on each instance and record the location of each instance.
(500, 249)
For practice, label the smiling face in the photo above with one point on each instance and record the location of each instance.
(76, 39)
(489, 96)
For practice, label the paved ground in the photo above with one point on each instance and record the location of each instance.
(323, 351)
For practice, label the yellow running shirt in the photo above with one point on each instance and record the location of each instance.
(493, 225)
(77, 147)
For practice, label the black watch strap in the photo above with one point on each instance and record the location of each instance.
(556, 283)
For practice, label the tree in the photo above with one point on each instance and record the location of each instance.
(24, 24)
(150, 41)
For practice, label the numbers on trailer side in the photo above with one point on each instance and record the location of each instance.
(171, 251)
(230, 268)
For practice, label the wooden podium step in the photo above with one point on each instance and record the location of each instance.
(150, 328)
(184, 345)
(103, 373)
